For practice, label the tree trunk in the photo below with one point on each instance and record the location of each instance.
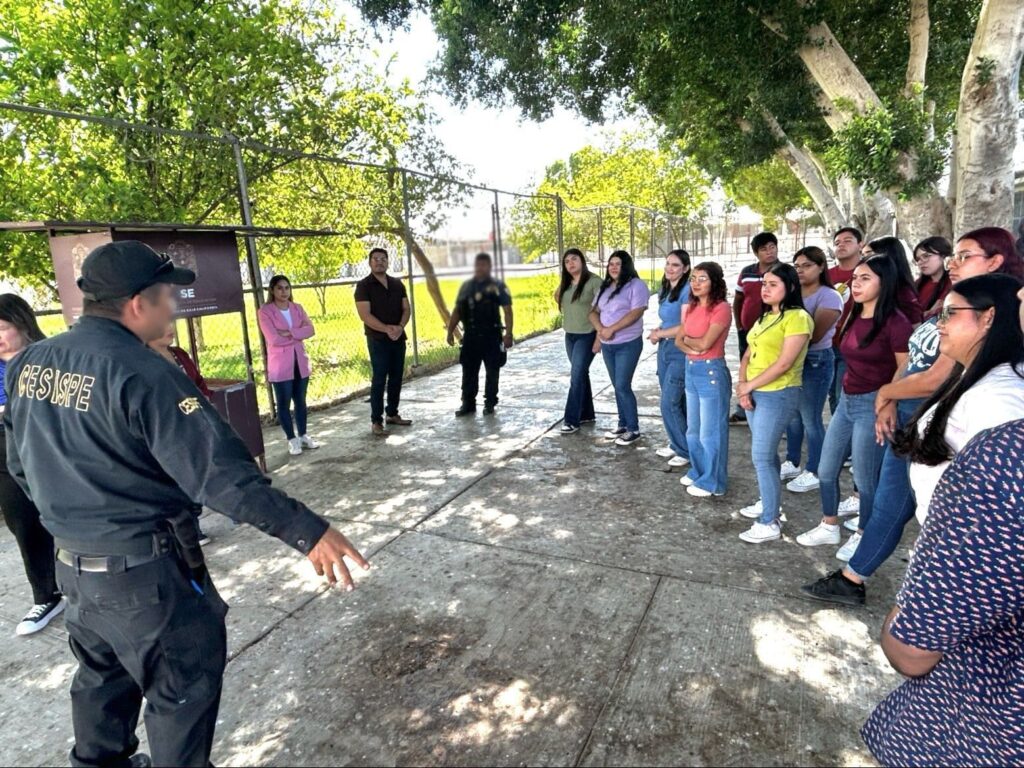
(923, 216)
(919, 32)
(831, 67)
(806, 171)
(986, 119)
(426, 266)
(321, 296)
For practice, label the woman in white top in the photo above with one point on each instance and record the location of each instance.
(979, 329)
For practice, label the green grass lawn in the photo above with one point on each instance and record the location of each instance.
(338, 351)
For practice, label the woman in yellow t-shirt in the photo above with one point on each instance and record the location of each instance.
(771, 373)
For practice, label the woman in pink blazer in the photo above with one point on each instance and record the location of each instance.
(285, 325)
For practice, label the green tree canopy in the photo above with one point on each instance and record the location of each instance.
(631, 171)
(770, 190)
(285, 73)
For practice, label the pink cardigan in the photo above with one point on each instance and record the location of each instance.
(282, 352)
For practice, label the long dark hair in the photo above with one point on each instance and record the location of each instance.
(719, 290)
(996, 240)
(16, 311)
(566, 280)
(815, 254)
(885, 305)
(938, 246)
(893, 249)
(626, 273)
(667, 291)
(794, 298)
(1004, 343)
(273, 284)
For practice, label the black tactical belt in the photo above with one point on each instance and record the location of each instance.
(107, 564)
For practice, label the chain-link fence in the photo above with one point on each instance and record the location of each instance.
(318, 216)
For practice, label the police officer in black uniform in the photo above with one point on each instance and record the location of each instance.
(113, 446)
(479, 305)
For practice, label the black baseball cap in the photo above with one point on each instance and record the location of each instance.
(127, 267)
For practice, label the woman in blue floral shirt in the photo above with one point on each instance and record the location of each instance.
(957, 631)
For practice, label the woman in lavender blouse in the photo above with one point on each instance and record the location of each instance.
(618, 318)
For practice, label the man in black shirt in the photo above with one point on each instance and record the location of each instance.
(114, 447)
(383, 307)
(483, 338)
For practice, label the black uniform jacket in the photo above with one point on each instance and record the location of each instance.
(110, 441)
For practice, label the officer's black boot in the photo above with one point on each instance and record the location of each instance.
(466, 409)
(140, 760)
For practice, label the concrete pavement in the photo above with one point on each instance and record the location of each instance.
(535, 599)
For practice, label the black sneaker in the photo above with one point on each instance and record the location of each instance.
(568, 429)
(40, 615)
(465, 410)
(836, 588)
(627, 438)
(140, 760)
(591, 420)
(204, 538)
(488, 409)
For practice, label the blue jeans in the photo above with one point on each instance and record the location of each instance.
(387, 362)
(893, 507)
(579, 403)
(819, 368)
(672, 379)
(708, 393)
(836, 389)
(621, 361)
(852, 423)
(287, 393)
(772, 412)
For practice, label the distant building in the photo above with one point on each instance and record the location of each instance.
(460, 253)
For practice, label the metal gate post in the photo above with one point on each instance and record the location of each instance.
(255, 275)
(559, 228)
(409, 267)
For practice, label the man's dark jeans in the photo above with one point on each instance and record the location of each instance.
(387, 361)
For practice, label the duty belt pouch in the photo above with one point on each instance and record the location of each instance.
(186, 535)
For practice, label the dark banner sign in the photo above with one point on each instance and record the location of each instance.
(213, 256)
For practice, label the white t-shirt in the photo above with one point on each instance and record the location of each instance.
(287, 315)
(998, 397)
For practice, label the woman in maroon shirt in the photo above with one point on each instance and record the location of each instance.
(874, 343)
(930, 255)
(906, 292)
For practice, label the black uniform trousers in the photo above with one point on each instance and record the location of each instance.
(144, 632)
(481, 347)
(34, 541)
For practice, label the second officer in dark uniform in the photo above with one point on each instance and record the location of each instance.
(113, 447)
(479, 306)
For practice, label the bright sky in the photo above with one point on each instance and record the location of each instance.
(504, 150)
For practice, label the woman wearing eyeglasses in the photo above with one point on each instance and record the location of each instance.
(874, 346)
(930, 256)
(673, 297)
(701, 337)
(979, 252)
(979, 329)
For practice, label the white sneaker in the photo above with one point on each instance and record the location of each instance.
(760, 533)
(686, 480)
(804, 482)
(753, 511)
(295, 446)
(678, 461)
(308, 442)
(700, 493)
(849, 506)
(822, 534)
(789, 471)
(853, 524)
(666, 452)
(37, 618)
(846, 551)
